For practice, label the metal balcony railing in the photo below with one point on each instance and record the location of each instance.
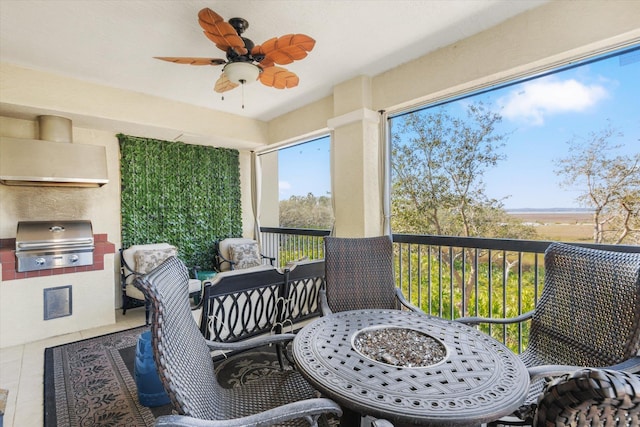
(291, 244)
(451, 277)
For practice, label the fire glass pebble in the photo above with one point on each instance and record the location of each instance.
(399, 347)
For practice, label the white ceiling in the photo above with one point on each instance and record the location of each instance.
(112, 42)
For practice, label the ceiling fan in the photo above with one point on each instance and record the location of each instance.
(245, 61)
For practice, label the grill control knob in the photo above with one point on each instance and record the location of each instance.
(40, 261)
(74, 258)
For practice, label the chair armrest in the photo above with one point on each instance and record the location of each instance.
(471, 321)
(324, 304)
(632, 365)
(125, 269)
(310, 409)
(222, 259)
(250, 343)
(271, 259)
(405, 303)
(543, 371)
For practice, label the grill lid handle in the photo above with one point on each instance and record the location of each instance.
(55, 245)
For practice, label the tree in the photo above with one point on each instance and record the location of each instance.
(306, 212)
(439, 161)
(438, 165)
(609, 183)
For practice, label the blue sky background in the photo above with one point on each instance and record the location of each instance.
(304, 169)
(540, 115)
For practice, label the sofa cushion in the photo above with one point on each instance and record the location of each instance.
(245, 255)
(148, 259)
(223, 248)
(129, 255)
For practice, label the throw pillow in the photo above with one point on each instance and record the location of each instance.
(245, 255)
(148, 259)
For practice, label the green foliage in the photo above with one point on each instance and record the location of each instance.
(435, 283)
(438, 164)
(182, 194)
(306, 212)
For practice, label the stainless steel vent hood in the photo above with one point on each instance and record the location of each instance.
(52, 160)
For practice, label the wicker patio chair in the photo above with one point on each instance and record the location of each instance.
(588, 315)
(359, 275)
(185, 367)
(590, 397)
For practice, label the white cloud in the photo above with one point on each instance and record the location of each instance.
(283, 187)
(544, 97)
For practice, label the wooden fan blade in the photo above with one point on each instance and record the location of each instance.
(224, 84)
(284, 50)
(220, 32)
(279, 78)
(192, 61)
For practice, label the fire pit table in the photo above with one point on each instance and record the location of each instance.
(446, 373)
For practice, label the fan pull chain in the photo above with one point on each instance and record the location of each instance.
(242, 82)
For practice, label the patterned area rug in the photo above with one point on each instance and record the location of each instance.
(90, 383)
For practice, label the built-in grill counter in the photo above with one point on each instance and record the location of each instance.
(58, 277)
(44, 245)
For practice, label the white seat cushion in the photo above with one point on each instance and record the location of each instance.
(195, 285)
(133, 292)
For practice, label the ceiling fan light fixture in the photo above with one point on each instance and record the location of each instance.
(241, 72)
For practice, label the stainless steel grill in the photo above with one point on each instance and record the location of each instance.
(44, 245)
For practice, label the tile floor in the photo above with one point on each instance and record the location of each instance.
(22, 370)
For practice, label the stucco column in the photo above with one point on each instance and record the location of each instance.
(356, 188)
(269, 203)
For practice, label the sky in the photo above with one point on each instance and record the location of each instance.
(540, 115)
(304, 169)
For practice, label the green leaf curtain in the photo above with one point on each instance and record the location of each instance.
(182, 194)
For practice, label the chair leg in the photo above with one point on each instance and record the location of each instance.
(147, 309)
(125, 303)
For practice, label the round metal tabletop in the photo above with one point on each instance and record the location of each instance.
(480, 379)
